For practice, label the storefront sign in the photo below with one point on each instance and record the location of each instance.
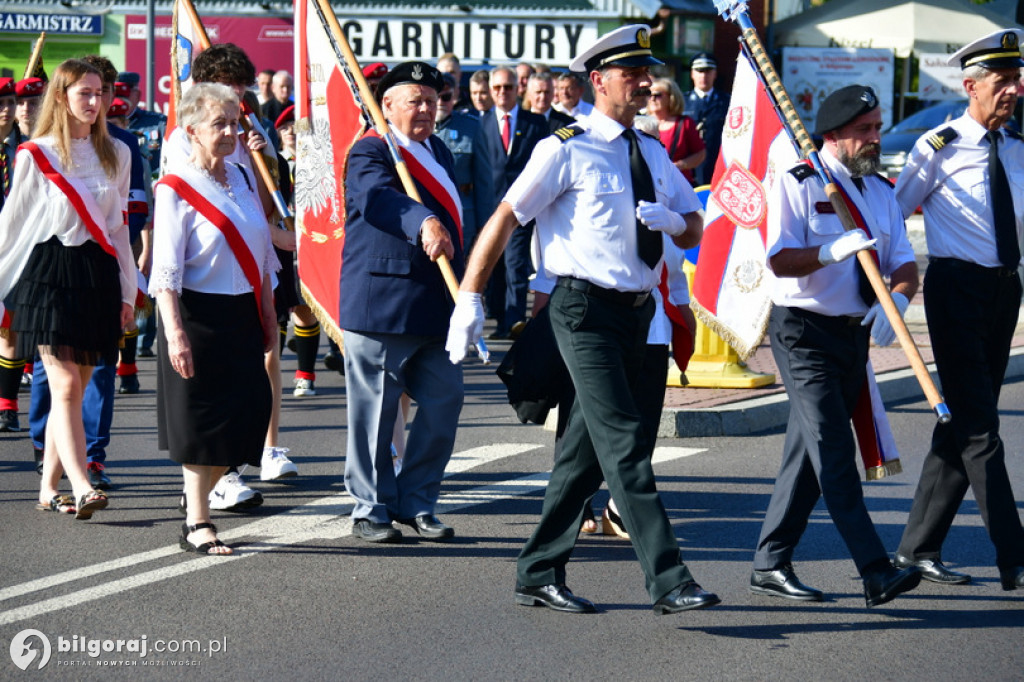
(58, 24)
(937, 80)
(811, 74)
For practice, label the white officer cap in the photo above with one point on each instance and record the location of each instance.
(999, 50)
(626, 46)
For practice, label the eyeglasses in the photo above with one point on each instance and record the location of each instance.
(445, 96)
(503, 86)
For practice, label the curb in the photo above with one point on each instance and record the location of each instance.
(748, 417)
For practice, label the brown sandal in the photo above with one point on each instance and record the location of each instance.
(91, 502)
(63, 504)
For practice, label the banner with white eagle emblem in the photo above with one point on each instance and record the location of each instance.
(328, 121)
(732, 284)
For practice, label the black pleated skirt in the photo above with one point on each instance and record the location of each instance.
(219, 417)
(68, 302)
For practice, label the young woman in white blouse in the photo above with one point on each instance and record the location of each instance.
(67, 265)
(212, 256)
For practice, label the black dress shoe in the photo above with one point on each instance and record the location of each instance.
(371, 531)
(557, 597)
(98, 477)
(883, 585)
(429, 527)
(933, 570)
(1012, 578)
(686, 597)
(129, 384)
(782, 582)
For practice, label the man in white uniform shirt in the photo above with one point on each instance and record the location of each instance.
(968, 177)
(601, 195)
(819, 336)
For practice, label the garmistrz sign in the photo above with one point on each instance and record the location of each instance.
(62, 24)
(554, 42)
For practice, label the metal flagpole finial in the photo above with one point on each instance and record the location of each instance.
(729, 9)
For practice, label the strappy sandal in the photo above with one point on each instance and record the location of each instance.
(62, 504)
(90, 502)
(204, 548)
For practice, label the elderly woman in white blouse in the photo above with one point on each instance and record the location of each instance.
(212, 259)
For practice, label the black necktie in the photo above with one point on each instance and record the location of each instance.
(863, 283)
(648, 242)
(1002, 206)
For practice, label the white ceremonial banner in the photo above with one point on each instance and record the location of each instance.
(811, 74)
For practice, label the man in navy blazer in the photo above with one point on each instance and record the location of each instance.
(395, 309)
(708, 107)
(525, 131)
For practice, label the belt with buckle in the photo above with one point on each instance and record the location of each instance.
(632, 299)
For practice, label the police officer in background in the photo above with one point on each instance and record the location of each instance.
(601, 194)
(148, 125)
(819, 338)
(708, 107)
(968, 177)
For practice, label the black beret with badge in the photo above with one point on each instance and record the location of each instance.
(998, 50)
(628, 46)
(844, 105)
(410, 73)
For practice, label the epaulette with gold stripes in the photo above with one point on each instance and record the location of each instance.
(567, 132)
(940, 139)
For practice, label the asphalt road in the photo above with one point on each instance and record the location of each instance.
(302, 599)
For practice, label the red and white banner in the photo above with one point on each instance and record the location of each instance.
(732, 284)
(328, 121)
(188, 41)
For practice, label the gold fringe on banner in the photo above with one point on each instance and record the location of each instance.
(735, 342)
(888, 469)
(327, 324)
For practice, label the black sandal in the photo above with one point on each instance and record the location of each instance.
(63, 504)
(89, 503)
(204, 548)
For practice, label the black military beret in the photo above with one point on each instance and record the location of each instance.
(844, 105)
(410, 73)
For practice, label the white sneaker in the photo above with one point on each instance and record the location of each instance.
(230, 494)
(304, 387)
(275, 464)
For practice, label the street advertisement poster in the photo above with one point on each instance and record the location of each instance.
(810, 74)
(937, 80)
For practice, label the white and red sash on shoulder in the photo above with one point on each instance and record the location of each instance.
(209, 202)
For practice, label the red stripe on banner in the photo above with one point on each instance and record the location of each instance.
(5, 322)
(435, 188)
(72, 194)
(864, 427)
(224, 224)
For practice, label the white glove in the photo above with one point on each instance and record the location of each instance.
(466, 325)
(844, 246)
(881, 329)
(657, 217)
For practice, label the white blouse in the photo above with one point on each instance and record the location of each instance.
(190, 252)
(36, 210)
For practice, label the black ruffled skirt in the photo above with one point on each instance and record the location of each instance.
(67, 303)
(220, 416)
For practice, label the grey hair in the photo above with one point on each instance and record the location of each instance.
(507, 69)
(976, 72)
(192, 108)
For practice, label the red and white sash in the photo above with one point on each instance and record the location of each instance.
(223, 223)
(79, 197)
(425, 169)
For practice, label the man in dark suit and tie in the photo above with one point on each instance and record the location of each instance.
(394, 310)
(540, 94)
(708, 107)
(510, 134)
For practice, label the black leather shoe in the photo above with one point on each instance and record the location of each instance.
(686, 597)
(782, 582)
(37, 454)
(429, 527)
(371, 531)
(1012, 578)
(98, 478)
(883, 585)
(557, 597)
(933, 570)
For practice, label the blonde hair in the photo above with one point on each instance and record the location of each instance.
(675, 95)
(54, 117)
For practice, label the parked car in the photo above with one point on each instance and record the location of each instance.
(898, 140)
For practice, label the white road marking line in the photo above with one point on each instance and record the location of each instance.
(324, 518)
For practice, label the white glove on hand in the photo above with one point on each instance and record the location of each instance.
(660, 218)
(881, 329)
(844, 246)
(466, 325)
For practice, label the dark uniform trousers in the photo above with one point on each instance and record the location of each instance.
(603, 344)
(822, 361)
(972, 313)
